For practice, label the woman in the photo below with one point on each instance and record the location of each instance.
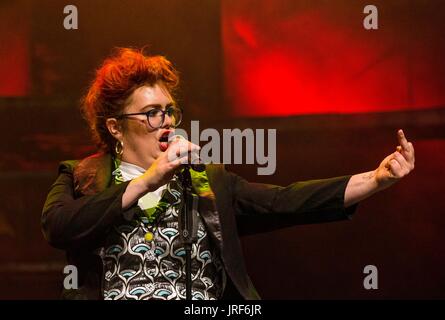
(116, 213)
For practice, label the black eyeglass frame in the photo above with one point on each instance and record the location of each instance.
(147, 114)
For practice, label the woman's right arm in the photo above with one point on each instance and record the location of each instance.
(160, 172)
(69, 223)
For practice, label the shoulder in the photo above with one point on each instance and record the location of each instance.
(91, 174)
(216, 173)
(221, 179)
(90, 162)
(94, 162)
(67, 165)
(215, 168)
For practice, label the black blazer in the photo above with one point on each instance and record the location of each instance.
(83, 204)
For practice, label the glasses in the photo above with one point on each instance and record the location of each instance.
(156, 117)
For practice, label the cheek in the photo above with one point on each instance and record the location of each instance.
(138, 129)
(139, 137)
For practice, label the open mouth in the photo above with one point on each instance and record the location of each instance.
(163, 141)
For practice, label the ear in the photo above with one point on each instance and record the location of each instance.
(114, 128)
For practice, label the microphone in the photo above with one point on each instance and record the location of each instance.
(198, 167)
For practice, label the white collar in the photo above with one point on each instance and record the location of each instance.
(130, 171)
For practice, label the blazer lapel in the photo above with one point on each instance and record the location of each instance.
(93, 174)
(209, 213)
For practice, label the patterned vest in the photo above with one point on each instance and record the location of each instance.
(145, 259)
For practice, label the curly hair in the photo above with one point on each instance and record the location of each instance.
(116, 79)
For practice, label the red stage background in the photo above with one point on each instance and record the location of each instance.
(291, 57)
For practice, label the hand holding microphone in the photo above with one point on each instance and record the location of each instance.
(186, 152)
(179, 153)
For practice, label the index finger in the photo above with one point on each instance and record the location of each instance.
(402, 140)
(183, 143)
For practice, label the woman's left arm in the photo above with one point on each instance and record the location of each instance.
(394, 167)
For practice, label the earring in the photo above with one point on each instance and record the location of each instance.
(119, 148)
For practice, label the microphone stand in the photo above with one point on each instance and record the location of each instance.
(188, 224)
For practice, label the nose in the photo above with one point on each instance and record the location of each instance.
(168, 121)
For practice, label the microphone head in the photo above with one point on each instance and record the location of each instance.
(198, 167)
(172, 137)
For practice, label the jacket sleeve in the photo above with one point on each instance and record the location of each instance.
(68, 222)
(264, 207)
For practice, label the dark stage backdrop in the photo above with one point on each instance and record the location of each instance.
(336, 94)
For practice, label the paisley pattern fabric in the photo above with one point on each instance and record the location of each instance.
(134, 268)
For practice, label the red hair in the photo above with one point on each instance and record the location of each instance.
(120, 74)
